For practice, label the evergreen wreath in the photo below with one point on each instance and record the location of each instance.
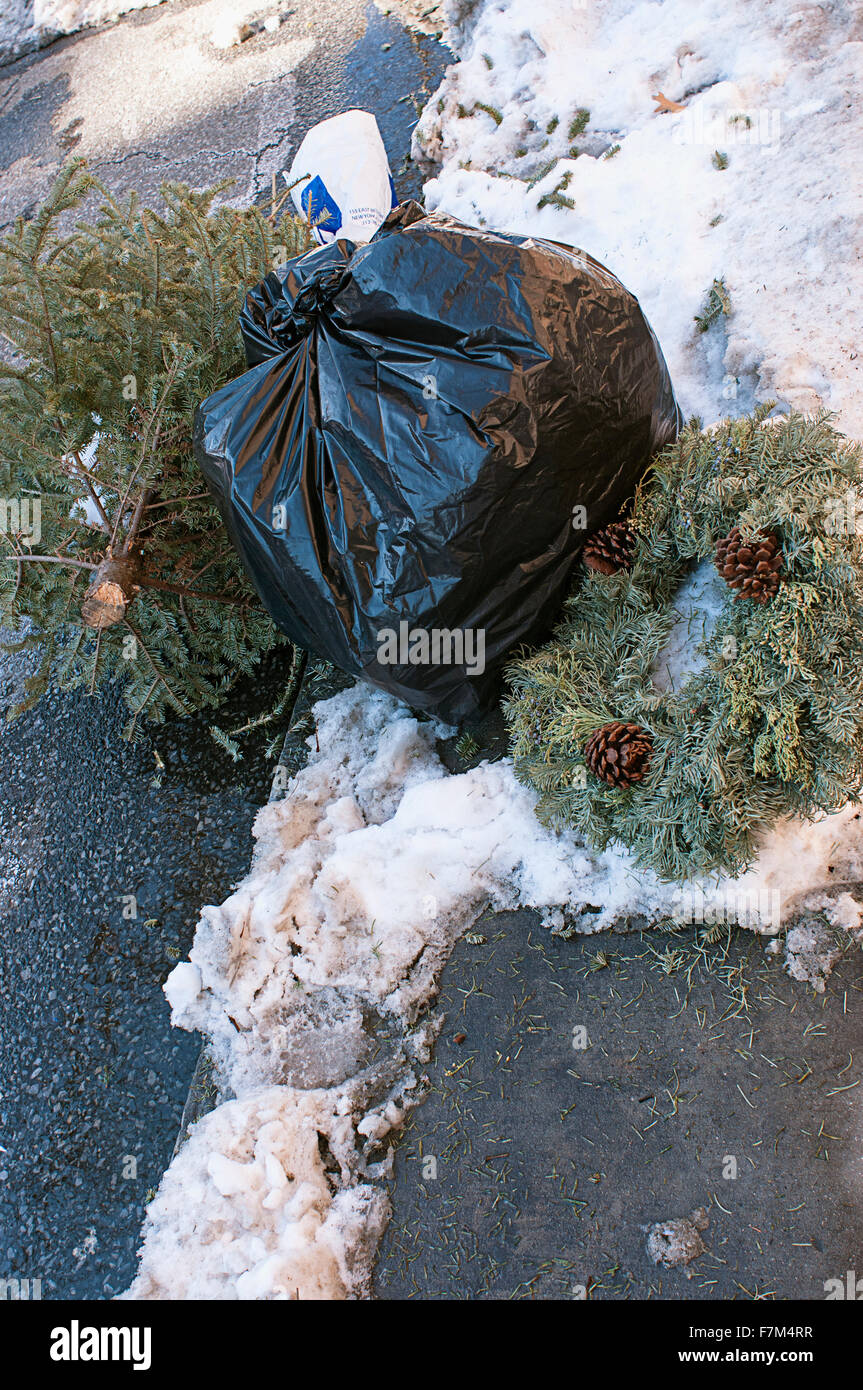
(114, 331)
(771, 722)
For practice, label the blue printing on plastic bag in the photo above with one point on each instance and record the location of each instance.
(322, 211)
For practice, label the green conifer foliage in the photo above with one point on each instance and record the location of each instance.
(109, 542)
(770, 724)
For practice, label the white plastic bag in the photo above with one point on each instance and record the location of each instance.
(345, 188)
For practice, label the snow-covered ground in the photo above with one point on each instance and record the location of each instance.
(310, 980)
(773, 87)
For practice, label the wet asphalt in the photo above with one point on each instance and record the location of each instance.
(92, 1077)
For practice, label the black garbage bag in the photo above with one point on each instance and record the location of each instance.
(431, 426)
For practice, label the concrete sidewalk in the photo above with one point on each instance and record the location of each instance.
(720, 1089)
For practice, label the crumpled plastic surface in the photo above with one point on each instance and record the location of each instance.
(340, 178)
(421, 417)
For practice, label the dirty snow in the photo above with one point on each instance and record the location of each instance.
(246, 1209)
(678, 1241)
(811, 953)
(773, 87)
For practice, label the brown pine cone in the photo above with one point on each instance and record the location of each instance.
(619, 753)
(610, 549)
(753, 566)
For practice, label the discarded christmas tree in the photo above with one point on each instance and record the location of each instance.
(109, 542)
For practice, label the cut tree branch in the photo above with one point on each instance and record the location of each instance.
(60, 560)
(124, 502)
(195, 593)
(137, 517)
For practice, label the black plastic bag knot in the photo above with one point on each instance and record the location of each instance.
(312, 299)
(285, 307)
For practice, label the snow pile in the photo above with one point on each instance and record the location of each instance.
(66, 16)
(769, 87)
(25, 27)
(312, 980)
(247, 1209)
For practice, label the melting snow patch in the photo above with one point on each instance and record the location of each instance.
(811, 953)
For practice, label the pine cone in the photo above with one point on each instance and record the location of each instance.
(752, 566)
(619, 753)
(610, 549)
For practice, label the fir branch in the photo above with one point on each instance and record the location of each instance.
(59, 560)
(93, 495)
